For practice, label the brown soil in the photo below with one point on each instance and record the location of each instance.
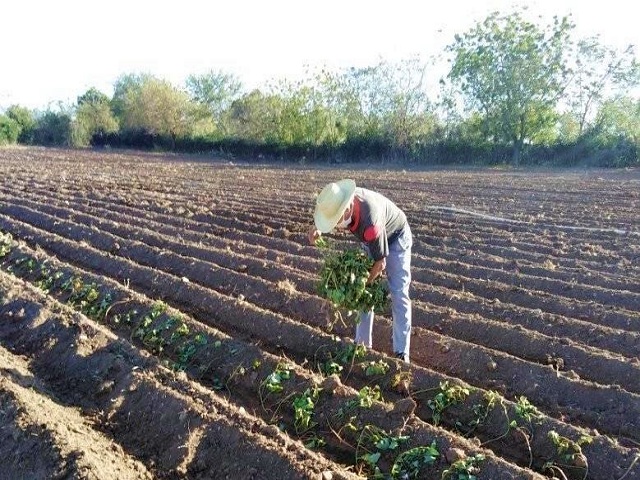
(526, 289)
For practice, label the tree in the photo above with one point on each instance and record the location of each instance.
(158, 108)
(598, 71)
(620, 118)
(93, 117)
(126, 87)
(216, 91)
(53, 128)
(9, 130)
(513, 73)
(25, 119)
(254, 117)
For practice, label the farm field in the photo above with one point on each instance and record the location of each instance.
(159, 319)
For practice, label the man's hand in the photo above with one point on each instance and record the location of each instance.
(376, 270)
(314, 234)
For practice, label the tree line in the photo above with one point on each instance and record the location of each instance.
(516, 92)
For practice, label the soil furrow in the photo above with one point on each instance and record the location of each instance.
(536, 442)
(584, 402)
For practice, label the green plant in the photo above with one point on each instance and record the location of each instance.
(526, 410)
(303, 406)
(409, 463)
(157, 309)
(569, 451)
(343, 281)
(6, 240)
(448, 395)
(315, 442)
(366, 396)
(345, 356)
(481, 410)
(465, 468)
(379, 367)
(273, 382)
(350, 353)
(188, 349)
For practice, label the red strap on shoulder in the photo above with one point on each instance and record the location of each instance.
(371, 233)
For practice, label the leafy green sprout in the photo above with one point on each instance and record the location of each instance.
(526, 410)
(379, 367)
(481, 410)
(569, 451)
(365, 398)
(188, 349)
(377, 439)
(345, 356)
(273, 382)
(6, 240)
(409, 463)
(303, 406)
(465, 468)
(447, 396)
(315, 442)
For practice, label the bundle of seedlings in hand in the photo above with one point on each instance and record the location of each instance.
(343, 281)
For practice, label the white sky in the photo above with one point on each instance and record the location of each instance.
(54, 50)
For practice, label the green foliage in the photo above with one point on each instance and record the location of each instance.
(53, 129)
(409, 463)
(157, 107)
(25, 119)
(215, 91)
(526, 410)
(599, 71)
(273, 383)
(303, 406)
(619, 118)
(518, 99)
(465, 468)
(9, 130)
(569, 451)
(6, 242)
(379, 367)
(93, 117)
(447, 396)
(343, 281)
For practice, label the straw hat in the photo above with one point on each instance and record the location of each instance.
(332, 203)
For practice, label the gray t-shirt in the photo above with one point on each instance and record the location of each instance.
(377, 221)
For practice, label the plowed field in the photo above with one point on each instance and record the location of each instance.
(159, 319)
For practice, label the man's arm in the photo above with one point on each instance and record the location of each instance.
(313, 234)
(376, 269)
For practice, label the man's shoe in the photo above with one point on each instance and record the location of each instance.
(402, 356)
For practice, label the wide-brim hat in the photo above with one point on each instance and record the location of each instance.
(332, 202)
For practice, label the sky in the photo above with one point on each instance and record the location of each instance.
(53, 51)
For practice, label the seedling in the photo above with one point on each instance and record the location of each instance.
(447, 396)
(350, 353)
(273, 383)
(481, 410)
(346, 356)
(379, 367)
(315, 442)
(188, 349)
(464, 469)
(303, 406)
(569, 451)
(5, 244)
(380, 440)
(409, 464)
(526, 410)
(366, 397)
